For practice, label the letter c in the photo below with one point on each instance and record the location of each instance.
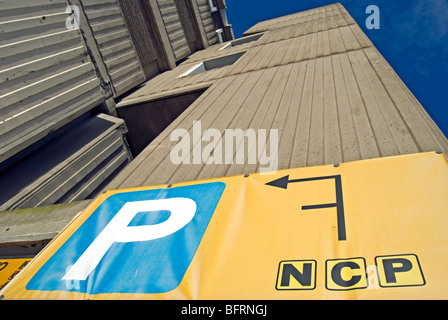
(337, 270)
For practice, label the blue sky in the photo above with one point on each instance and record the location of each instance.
(413, 37)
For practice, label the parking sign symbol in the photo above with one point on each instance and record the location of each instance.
(134, 242)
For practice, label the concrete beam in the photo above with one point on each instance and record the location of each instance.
(25, 232)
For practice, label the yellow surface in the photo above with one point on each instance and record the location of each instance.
(9, 268)
(394, 208)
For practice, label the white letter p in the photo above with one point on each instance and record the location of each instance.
(117, 230)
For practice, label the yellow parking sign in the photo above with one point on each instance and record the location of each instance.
(9, 268)
(371, 229)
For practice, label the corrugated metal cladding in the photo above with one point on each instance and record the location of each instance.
(174, 30)
(72, 168)
(46, 77)
(303, 40)
(52, 149)
(207, 21)
(115, 44)
(138, 26)
(334, 10)
(31, 229)
(320, 82)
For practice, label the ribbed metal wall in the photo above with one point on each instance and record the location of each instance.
(53, 73)
(319, 82)
(46, 76)
(174, 29)
(114, 42)
(139, 28)
(207, 21)
(64, 171)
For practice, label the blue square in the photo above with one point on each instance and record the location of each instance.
(153, 266)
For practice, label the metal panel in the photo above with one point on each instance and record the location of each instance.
(325, 232)
(142, 35)
(277, 47)
(329, 93)
(174, 30)
(47, 78)
(115, 44)
(68, 170)
(342, 17)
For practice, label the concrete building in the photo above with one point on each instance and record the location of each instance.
(313, 76)
(64, 66)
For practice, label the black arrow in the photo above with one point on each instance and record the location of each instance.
(283, 183)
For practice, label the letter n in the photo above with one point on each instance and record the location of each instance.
(297, 275)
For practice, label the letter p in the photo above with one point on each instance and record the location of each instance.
(117, 230)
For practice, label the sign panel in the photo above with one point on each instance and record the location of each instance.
(9, 268)
(371, 229)
(161, 228)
